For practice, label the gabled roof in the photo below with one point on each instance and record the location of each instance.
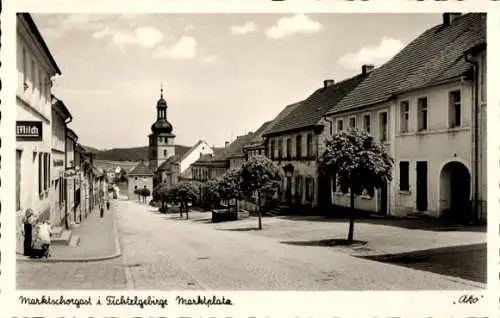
(33, 28)
(434, 57)
(309, 112)
(167, 164)
(193, 148)
(140, 170)
(258, 135)
(235, 149)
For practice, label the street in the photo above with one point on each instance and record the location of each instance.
(163, 252)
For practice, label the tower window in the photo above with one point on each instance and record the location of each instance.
(165, 153)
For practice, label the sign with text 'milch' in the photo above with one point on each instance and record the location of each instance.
(29, 130)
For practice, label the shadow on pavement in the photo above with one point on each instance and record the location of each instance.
(437, 225)
(467, 263)
(327, 242)
(243, 229)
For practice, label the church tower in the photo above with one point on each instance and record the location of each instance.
(161, 139)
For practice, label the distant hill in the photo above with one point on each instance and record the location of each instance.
(129, 154)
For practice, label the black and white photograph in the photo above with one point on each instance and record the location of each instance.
(251, 151)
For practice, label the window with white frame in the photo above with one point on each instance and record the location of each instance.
(340, 125)
(366, 123)
(455, 109)
(404, 108)
(352, 122)
(422, 113)
(383, 126)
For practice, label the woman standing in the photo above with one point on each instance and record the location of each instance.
(28, 232)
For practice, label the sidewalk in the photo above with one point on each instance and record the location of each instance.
(98, 240)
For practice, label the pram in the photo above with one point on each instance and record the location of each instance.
(41, 241)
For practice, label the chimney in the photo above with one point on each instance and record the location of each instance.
(226, 144)
(328, 83)
(448, 18)
(367, 68)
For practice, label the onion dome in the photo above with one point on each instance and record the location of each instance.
(161, 126)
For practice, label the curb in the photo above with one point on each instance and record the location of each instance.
(419, 253)
(117, 253)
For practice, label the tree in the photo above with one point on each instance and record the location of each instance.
(183, 193)
(262, 176)
(160, 194)
(212, 191)
(228, 187)
(145, 192)
(358, 163)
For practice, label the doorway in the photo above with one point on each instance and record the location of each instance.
(422, 186)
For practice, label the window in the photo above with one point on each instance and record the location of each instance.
(340, 125)
(273, 149)
(455, 109)
(299, 146)
(40, 84)
(352, 123)
(383, 126)
(309, 145)
(404, 176)
(24, 67)
(61, 191)
(298, 186)
(404, 108)
(366, 123)
(280, 149)
(46, 165)
(40, 173)
(33, 76)
(310, 189)
(288, 148)
(19, 155)
(165, 153)
(422, 113)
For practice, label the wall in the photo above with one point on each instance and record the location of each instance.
(160, 149)
(438, 145)
(201, 149)
(58, 164)
(483, 176)
(364, 202)
(139, 182)
(32, 104)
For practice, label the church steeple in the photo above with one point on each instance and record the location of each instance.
(161, 125)
(161, 140)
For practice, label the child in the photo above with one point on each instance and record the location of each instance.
(41, 243)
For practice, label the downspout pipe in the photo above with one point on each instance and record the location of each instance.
(468, 58)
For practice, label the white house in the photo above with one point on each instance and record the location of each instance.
(36, 67)
(421, 104)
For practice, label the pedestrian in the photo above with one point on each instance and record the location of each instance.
(28, 231)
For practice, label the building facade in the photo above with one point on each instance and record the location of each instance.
(138, 178)
(36, 67)
(296, 140)
(71, 178)
(421, 105)
(60, 115)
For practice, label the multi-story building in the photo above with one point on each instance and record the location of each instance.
(60, 115)
(421, 104)
(36, 67)
(71, 177)
(296, 140)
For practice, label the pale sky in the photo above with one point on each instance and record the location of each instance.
(224, 74)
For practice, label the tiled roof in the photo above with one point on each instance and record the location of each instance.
(433, 57)
(140, 170)
(167, 164)
(235, 149)
(257, 138)
(309, 111)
